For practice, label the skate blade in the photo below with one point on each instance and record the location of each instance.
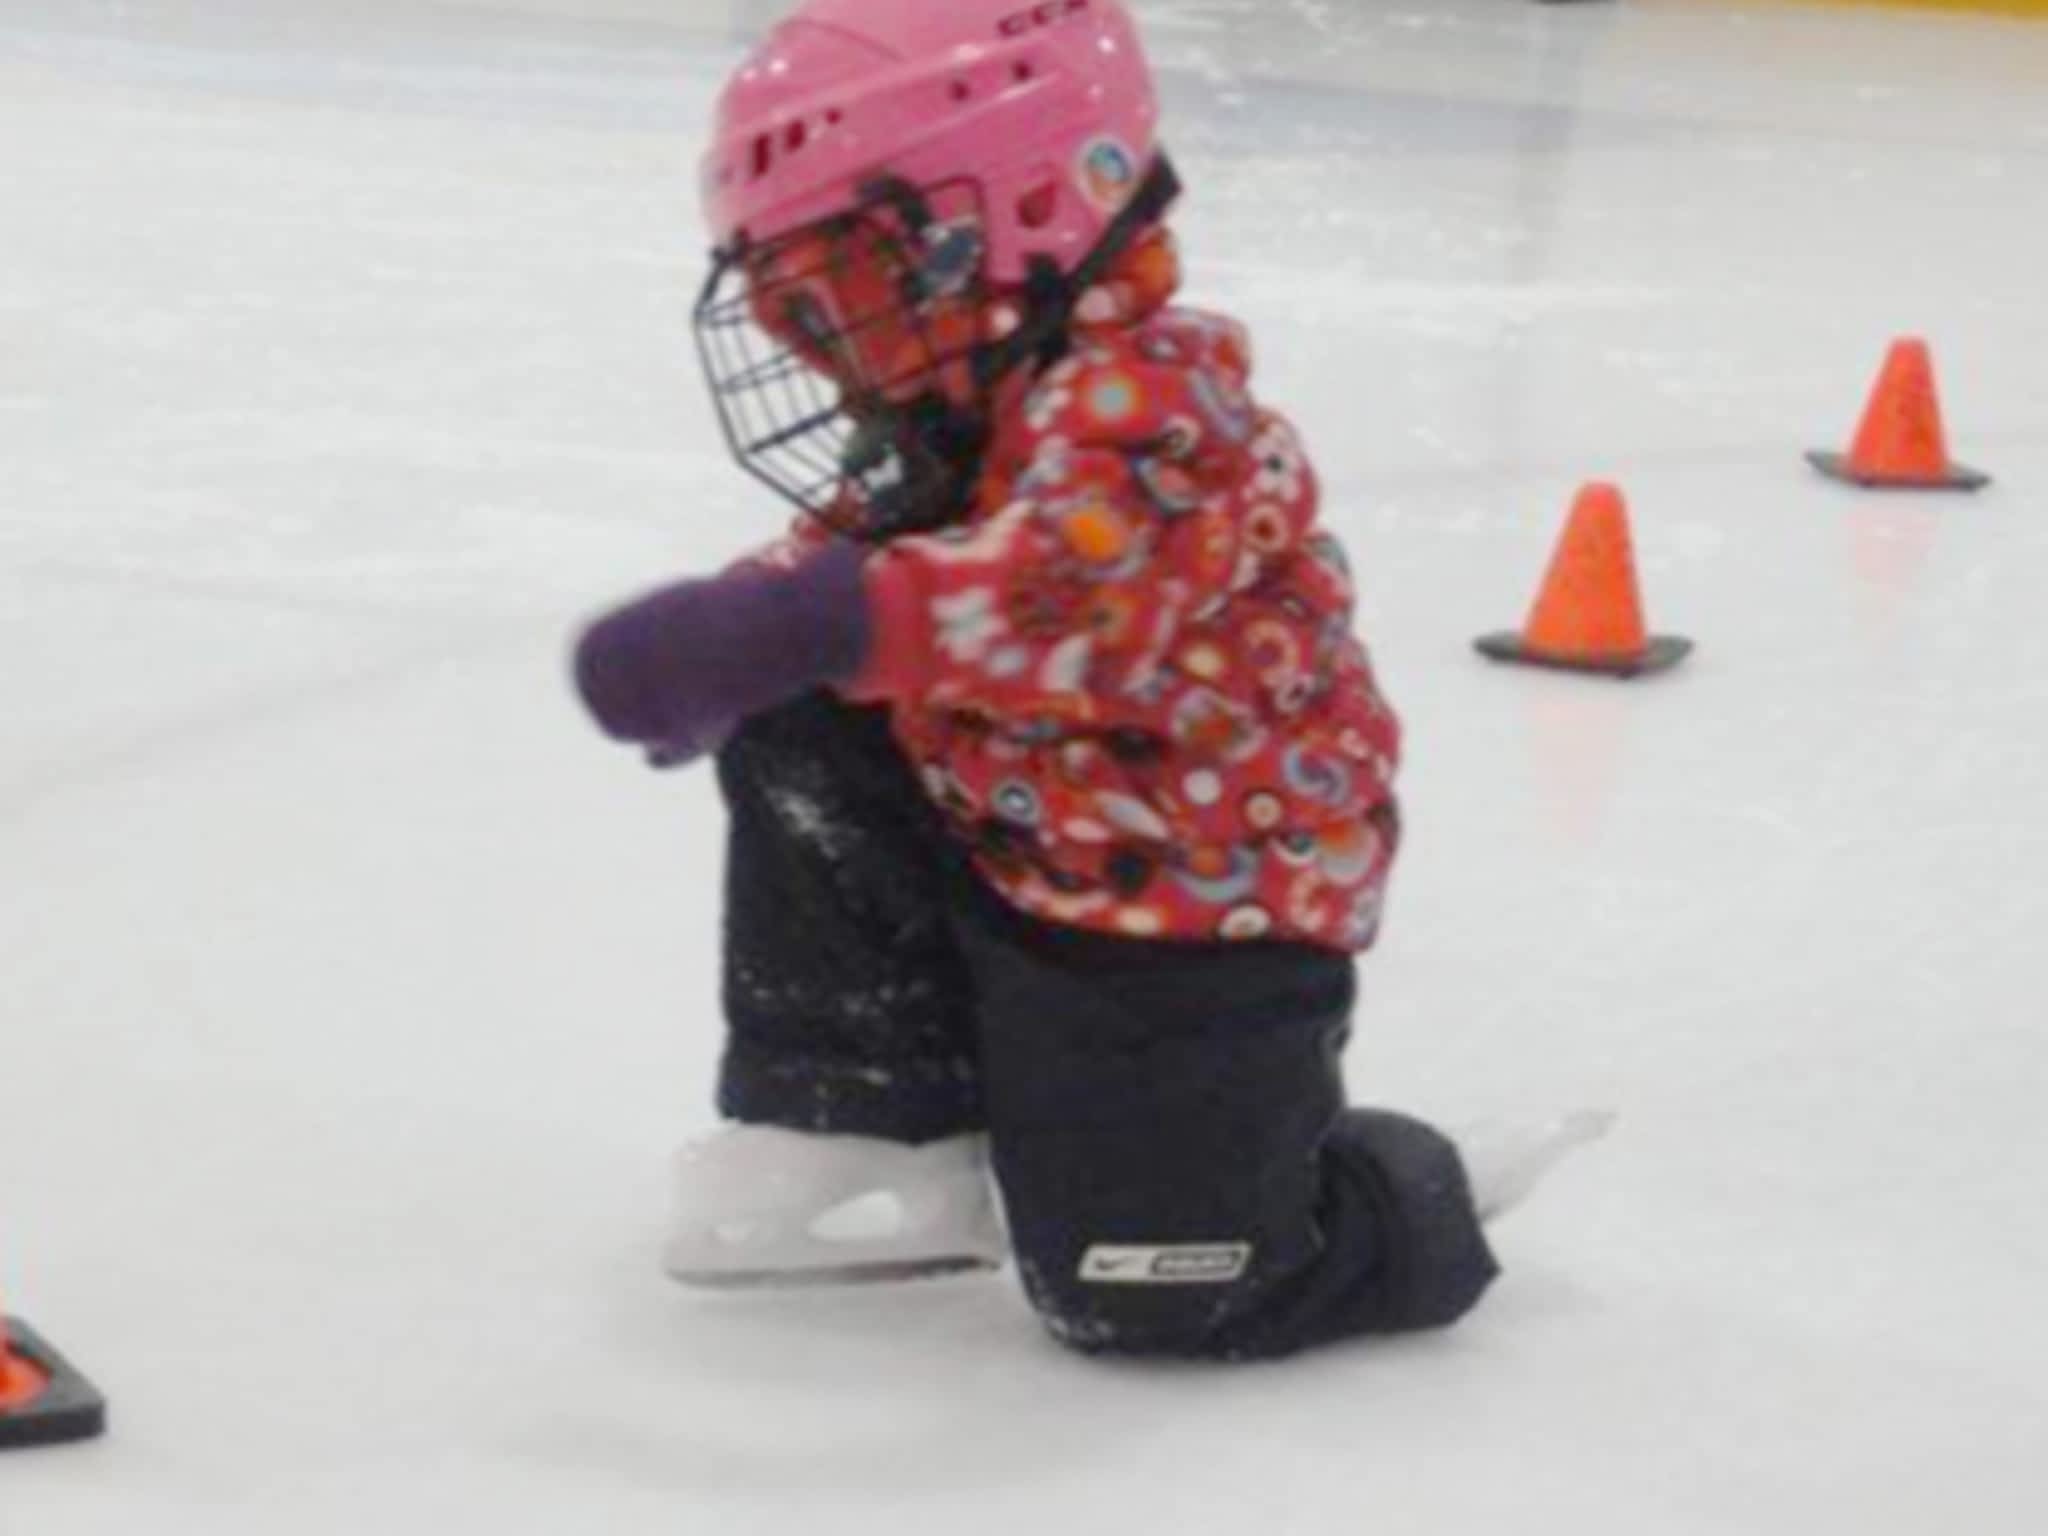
(1505, 1175)
(830, 1276)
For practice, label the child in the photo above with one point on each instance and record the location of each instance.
(1059, 786)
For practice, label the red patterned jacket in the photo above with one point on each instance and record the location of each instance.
(1130, 679)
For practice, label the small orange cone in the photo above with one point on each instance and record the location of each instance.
(1900, 444)
(43, 1401)
(1588, 616)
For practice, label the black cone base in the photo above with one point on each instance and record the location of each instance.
(70, 1408)
(1662, 654)
(1959, 477)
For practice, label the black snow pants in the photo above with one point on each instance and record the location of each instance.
(1167, 1121)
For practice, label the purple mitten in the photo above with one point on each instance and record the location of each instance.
(677, 670)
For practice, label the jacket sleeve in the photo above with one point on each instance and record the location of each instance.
(1142, 504)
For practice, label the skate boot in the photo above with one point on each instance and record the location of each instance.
(761, 1205)
(1506, 1160)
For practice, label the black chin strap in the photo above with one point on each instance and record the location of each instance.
(954, 436)
(1051, 295)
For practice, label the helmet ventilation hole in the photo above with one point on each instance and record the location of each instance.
(1035, 209)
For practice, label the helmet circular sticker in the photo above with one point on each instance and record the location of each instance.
(1108, 173)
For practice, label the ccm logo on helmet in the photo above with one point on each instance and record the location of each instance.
(1040, 16)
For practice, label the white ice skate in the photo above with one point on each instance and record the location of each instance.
(760, 1205)
(1506, 1160)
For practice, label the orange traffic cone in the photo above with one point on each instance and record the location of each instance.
(1588, 616)
(43, 1401)
(1900, 444)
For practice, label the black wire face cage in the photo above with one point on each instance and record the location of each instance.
(846, 359)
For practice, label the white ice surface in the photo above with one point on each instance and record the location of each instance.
(352, 992)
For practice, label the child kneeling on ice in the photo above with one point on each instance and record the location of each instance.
(1059, 785)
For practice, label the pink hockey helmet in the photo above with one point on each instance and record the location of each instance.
(1049, 107)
